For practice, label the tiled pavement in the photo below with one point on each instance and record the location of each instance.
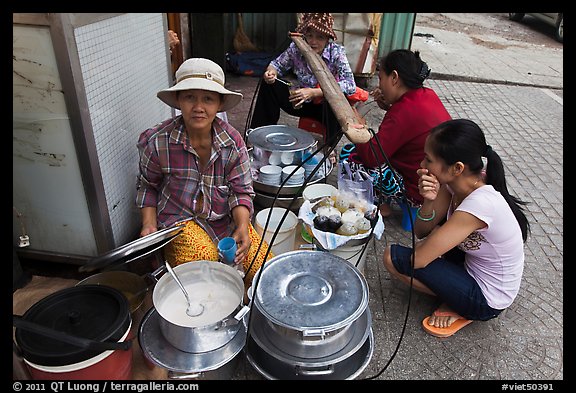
(523, 122)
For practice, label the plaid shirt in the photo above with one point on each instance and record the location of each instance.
(334, 55)
(170, 179)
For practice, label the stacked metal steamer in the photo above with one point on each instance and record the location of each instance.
(309, 319)
(283, 146)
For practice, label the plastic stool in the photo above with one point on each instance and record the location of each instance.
(312, 125)
(406, 212)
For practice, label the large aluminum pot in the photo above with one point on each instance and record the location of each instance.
(310, 304)
(219, 288)
(345, 364)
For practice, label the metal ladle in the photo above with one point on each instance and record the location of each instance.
(193, 310)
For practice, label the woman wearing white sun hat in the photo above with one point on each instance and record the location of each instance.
(196, 166)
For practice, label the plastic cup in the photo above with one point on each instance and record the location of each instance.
(292, 90)
(227, 250)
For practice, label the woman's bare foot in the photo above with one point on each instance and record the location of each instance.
(443, 317)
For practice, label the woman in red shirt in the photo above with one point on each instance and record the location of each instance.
(412, 110)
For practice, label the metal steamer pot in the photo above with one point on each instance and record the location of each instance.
(268, 145)
(219, 288)
(280, 139)
(310, 318)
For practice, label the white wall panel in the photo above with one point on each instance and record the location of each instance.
(123, 66)
(47, 185)
(76, 121)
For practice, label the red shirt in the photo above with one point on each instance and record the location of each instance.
(402, 135)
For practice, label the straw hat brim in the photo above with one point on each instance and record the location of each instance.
(230, 98)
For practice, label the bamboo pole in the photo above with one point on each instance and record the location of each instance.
(332, 93)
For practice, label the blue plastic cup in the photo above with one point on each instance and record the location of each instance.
(227, 250)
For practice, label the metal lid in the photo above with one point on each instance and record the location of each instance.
(281, 138)
(135, 249)
(311, 290)
(95, 312)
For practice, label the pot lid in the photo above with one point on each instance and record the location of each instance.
(280, 138)
(94, 312)
(135, 249)
(311, 290)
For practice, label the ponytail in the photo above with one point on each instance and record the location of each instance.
(495, 176)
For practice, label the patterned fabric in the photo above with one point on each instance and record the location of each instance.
(322, 22)
(194, 244)
(388, 184)
(170, 179)
(334, 55)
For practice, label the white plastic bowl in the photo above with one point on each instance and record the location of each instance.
(318, 190)
(290, 168)
(271, 170)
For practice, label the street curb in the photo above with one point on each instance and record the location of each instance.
(473, 79)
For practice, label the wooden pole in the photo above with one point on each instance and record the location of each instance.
(332, 93)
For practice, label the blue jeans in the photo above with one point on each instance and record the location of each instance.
(448, 279)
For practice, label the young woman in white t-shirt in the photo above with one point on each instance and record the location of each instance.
(471, 256)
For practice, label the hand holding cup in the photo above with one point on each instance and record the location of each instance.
(227, 248)
(295, 97)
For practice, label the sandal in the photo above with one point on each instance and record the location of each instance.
(448, 331)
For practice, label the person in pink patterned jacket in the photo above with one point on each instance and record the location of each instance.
(317, 30)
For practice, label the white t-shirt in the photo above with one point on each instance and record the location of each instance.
(494, 254)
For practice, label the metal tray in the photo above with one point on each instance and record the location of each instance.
(133, 250)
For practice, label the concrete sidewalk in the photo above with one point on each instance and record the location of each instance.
(515, 95)
(479, 54)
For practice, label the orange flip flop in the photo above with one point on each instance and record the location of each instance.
(447, 331)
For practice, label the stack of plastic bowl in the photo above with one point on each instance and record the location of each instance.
(270, 174)
(310, 165)
(293, 179)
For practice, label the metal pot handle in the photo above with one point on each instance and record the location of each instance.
(158, 272)
(237, 318)
(303, 371)
(81, 342)
(311, 247)
(180, 376)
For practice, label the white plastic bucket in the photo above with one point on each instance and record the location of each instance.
(353, 255)
(286, 236)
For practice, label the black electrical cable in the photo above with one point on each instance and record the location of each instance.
(383, 155)
(326, 148)
(331, 142)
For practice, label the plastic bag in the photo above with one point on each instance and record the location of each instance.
(359, 184)
(329, 240)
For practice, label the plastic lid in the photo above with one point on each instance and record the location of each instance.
(94, 312)
(305, 290)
